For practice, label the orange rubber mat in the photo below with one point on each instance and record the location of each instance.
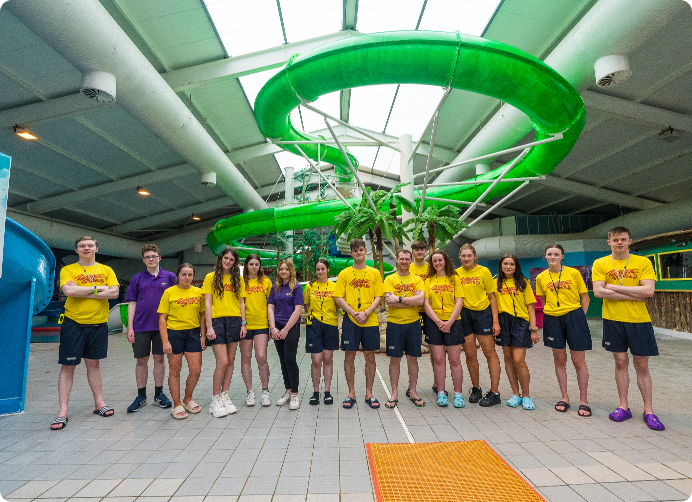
(459, 471)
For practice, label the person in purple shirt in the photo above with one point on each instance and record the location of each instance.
(143, 296)
(284, 306)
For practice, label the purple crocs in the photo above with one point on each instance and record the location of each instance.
(653, 422)
(620, 415)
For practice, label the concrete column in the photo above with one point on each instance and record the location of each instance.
(406, 173)
(288, 199)
(482, 168)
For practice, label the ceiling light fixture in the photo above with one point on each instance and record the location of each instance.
(196, 217)
(23, 133)
(143, 191)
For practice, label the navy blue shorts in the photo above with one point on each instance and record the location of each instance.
(320, 336)
(251, 333)
(477, 322)
(404, 338)
(77, 341)
(227, 330)
(354, 336)
(514, 331)
(185, 340)
(639, 337)
(437, 337)
(570, 327)
(424, 320)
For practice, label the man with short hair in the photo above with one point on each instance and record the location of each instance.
(624, 281)
(404, 293)
(143, 296)
(358, 293)
(84, 332)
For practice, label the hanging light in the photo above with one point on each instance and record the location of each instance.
(23, 133)
(196, 217)
(143, 191)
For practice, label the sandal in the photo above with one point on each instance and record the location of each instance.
(328, 399)
(408, 393)
(418, 402)
(315, 399)
(583, 407)
(442, 400)
(105, 412)
(459, 402)
(348, 403)
(514, 401)
(192, 407)
(179, 413)
(527, 403)
(391, 404)
(620, 415)
(434, 389)
(61, 421)
(564, 405)
(373, 403)
(653, 422)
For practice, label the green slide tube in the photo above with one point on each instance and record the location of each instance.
(409, 57)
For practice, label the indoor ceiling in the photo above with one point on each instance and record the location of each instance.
(90, 158)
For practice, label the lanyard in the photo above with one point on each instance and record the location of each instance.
(322, 296)
(442, 293)
(357, 282)
(511, 294)
(408, 279)
(94, 284)
(623, 269)
(556, 288)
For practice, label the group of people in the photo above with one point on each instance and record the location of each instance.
(452, 309)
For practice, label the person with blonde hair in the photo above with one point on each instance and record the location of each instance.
(285, 305)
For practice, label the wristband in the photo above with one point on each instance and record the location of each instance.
(243, 322)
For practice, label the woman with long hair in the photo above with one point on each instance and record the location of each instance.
(257, 288)
(285, 305)
(444, 298)
(181, 316)
(518, 331)
(479, 320)
(224, 299)
(565, 301)
(321, 332)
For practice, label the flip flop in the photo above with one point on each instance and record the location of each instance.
(418, 402)
(192, 407)
(620, 415)
(408, 392)
(373, 403)
(62, 421)
(583, 407)
(348, 403)
(105, 412)
(393, 404)
(565, 406)
(176, 413)
(653, 422)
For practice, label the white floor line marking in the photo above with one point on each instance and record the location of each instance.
(396, 409)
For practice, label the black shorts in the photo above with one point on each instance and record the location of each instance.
(437, 337)
(404, 338)
(354, 336)
(77, 341)
(424, 320)
(320, 336)
(477, 322)
(251, 333)
(227, 330)
(185, 340)
(514, 331)
(147, 342)
(639, 337)
(571, 328)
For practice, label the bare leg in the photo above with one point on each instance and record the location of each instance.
(142, 371)
(230, 356)
(622, 377)
(194, 365)
(488, 346)
(521, 369)
(509, 370)
(175, 363)
(641, 365)
(394, 371)
(412, 363)
(454, 356)
(560, 360)
(350, 371)
(159, 370)
(438, 352)
(246, 362)
(328, 368)
(316, 370)
(65, 387)
(93, 368)
(370, 368)
(221, 355)
(579, 362)
(471, 352)
(261, 342)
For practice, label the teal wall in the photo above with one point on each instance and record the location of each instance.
(668, 247)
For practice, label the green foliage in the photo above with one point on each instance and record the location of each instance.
(441, 223)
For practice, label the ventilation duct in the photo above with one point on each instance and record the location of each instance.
(612, 70)
(99, 86)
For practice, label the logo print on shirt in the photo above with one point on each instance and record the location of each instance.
(322, 294)
(442, 288)
(471, 280)
(228, 287)
(85, 280)
(628, 273)
(401, 288)
(254, 289)
(184, 302)
(560, 285)
(360, 283)
(506, 290)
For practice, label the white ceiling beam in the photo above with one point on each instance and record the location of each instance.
(46, 110)
(350, 15)
(247, 64)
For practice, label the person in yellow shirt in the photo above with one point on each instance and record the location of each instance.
(518, 331)
(84, 331)
(358, 293)
(181, 324)
(224, 307)
(624, 281)
(479, 320)
(565, 301)
(444, 299)
(419, 267)
(404, 293)
(257, 288)
(321, 331)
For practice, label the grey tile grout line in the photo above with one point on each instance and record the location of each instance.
(396, 408)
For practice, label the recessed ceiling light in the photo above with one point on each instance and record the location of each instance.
(143, 191)
(196, 217)
(23, 133)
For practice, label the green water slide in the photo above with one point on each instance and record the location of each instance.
(409, 57)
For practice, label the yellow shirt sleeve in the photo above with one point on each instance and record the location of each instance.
(488, 281)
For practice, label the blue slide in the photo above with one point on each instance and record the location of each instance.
(26, 288)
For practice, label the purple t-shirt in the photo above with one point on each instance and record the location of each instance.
(285, 302)
(147, 290)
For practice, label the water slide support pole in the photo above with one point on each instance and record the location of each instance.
(406, 174)
(427, 165)
(288, 199)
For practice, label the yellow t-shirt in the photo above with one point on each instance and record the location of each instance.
(421, 272)
(442, 293)
(227, 305)
(257, 292)
(522, 299)
(360, 287)
(638, 269)
(320, 298)
(183, 307)
(570, 285)
(478, 283)
(87, 310)
(405, 286)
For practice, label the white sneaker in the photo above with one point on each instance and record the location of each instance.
(266, 398)
(217, 407)
(230, 408)
(295, 402)
(284, 399)
(250, 399)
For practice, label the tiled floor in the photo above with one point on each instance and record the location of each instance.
(317, 453)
